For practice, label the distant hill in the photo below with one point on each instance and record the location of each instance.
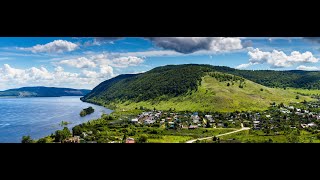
(200, 87)
(41, 91)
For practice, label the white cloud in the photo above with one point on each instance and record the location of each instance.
(123, 62)
(103, 59)
(279, 59)
(308, 68)
(81, 62)
(188, 45)
(243, 66)
(13, 77)
(106, 70)
(57, 46)
(90, 74)
(151, 53)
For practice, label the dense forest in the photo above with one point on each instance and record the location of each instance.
(162, 81)
(281, 79)
(174, 80)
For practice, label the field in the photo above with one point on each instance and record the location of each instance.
(260, 137)
(213, 95)
(305, 91)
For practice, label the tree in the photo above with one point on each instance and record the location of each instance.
(42, 140)
(261, 89)
(61, 135)
(142, 139)
(292, 138)
(214, 138)
(77, 130)
(297, 97)
(208, 124)
(26, 139)
(124, 138)
(228, 84)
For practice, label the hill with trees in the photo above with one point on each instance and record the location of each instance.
(198, 87)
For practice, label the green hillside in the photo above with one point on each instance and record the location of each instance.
(213, 95)
(188, 87)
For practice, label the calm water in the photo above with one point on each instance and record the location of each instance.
(39, 116)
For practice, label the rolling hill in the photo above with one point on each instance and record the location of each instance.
(194, 87)
(41, 91)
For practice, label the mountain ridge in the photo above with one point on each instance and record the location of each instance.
(43, 91)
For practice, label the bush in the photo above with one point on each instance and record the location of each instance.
(142, 138)
(86, 111)
(26, 139)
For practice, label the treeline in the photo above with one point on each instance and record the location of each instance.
(222, 77)
(281, 79)
(86, 111)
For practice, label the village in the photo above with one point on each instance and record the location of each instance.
(278, 118)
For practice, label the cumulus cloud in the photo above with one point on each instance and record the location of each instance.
(11, 77)
(57, 46)
(278, 59)
(308, 68)
(123, 62)
(243, 66)
(192, 44)
(97, 41)
(81, 62)
(102, 60)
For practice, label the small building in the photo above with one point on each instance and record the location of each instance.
(134, 121)
(304, 125)
(312, 124)
(220, 125)
(130, 140)
(75, 139)
(193, 127)
(268, 116)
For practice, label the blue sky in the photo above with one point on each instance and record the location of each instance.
(77, 62)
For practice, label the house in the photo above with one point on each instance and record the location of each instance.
(312, 124)
(149, 121)
(195, 118)
(298, 110)
(130, 140)
(134, 121)
(75, 139)
(193, 127)
(256, 122)
(268, 116)
(220, 125)
(304, 125)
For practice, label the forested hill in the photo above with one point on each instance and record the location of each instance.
(174, 80)
(41, 91)
(282, 79)
(161, 81)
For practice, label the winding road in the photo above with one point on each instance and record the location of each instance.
(242, 129)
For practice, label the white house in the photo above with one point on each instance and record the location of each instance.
(135, 120)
